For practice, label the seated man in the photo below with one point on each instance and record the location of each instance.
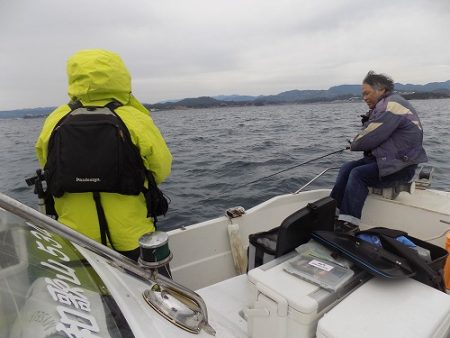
(391, 140)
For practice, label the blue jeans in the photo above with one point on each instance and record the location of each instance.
(351, 188)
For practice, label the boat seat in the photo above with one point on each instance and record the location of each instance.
(392, 193)
(421, 180)
(294, 230)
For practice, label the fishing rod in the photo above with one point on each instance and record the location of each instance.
(314, 179)
(296, 166)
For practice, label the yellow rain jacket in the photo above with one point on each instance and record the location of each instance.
(97, 77)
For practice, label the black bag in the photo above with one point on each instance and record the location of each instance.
(90, 150)
(430, 273)
(157, 202)
(394, 259)
(294, 230)
(376, 260)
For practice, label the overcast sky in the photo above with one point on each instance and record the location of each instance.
(190, 48)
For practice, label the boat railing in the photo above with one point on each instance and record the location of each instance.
(314, 179)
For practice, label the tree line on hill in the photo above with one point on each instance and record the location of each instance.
(434, 90)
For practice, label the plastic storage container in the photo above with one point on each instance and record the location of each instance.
(283, 305)
(324, 273)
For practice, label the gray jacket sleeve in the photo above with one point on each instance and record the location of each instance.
(376, 132)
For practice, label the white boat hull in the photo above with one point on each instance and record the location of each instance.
(261, 304)
(202, 252)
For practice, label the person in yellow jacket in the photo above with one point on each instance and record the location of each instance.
(97, 77)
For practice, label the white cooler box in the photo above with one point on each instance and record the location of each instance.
(389, 309)
(284, 305)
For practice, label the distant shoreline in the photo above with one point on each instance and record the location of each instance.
(209, 102)
(206, 102)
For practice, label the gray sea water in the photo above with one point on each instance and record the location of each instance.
(217, 152)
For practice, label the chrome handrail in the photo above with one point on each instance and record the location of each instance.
(315, 178)
(112, 257)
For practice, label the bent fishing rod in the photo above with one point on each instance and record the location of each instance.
(296, 166)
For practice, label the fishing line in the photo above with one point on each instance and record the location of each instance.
(295, 166)
(441, 235)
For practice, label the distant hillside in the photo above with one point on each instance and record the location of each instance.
(235, 98)
(341, 92)
(346, 92)
(26, 113)
(429, 87)
(198, 102)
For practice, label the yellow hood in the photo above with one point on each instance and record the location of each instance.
(99, 75)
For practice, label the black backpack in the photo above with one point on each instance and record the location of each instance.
(90, 150)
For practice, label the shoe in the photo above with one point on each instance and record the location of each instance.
(345, 227)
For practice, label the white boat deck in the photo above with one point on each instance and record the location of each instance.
(227, 300)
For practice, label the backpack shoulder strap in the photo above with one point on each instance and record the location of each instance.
(113, 105)
(104, 229)
(75, 105)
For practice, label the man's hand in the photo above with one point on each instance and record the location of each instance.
(349, 144)
(364, 118)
